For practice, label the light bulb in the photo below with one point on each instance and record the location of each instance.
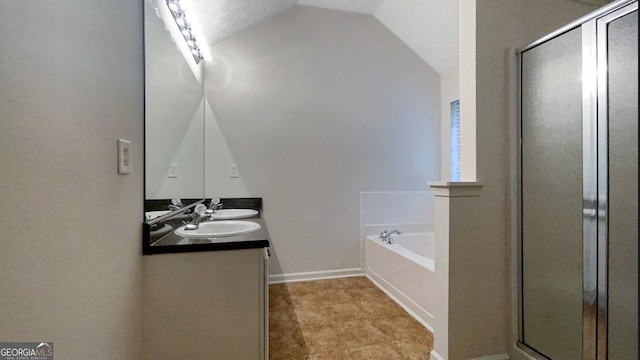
(174, 5)
(182, 22)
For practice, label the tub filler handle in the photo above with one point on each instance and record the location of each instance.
(386, 236)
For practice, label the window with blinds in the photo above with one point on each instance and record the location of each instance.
(455, 141)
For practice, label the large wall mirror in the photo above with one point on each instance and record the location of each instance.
(174, 116)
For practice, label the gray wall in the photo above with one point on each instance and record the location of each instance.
(316, 106)
(70, 260)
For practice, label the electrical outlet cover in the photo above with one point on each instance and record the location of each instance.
(233, 171)
(173, 171)
(124, 156)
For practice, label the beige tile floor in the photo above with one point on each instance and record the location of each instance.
(341, 319)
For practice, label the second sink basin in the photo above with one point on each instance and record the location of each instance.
(212, 229)
(233, 213)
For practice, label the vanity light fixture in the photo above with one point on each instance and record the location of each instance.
(181, 20)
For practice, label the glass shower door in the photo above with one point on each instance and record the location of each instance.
(551, 197)
(578, 182)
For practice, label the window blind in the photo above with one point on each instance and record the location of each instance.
(455, 141)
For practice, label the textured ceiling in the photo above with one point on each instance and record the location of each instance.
(360, 6)
(219, 19)
(429, 27)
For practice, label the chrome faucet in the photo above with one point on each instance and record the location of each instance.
(214, 205)
(386, 236)
(196, 219)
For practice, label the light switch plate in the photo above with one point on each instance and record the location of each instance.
(124, 156)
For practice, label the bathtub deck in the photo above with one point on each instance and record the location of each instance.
(341, 319)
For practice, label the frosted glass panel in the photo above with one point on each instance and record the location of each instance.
(552, 197)
(623, 187)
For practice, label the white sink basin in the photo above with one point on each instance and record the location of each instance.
(212, 229)
(233, 213)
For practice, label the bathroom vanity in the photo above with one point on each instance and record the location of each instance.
(206, 298)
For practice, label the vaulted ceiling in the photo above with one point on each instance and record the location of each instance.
(223, 18)
(428, 27)
(219, 19)
(359, 6)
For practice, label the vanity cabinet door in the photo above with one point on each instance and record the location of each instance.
(205, 305)
(264, 310)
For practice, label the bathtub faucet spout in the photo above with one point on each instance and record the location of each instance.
(386, 236)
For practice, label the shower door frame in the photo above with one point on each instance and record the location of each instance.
(595, 179)
(601, 88)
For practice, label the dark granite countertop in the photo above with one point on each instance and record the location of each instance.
(159, 238)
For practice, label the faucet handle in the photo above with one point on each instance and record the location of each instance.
(214, 202)
(200, 209)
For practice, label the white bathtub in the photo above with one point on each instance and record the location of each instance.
(405, 270)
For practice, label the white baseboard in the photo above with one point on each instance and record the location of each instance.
(314, 275)
(435, 356)
(415, 310)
